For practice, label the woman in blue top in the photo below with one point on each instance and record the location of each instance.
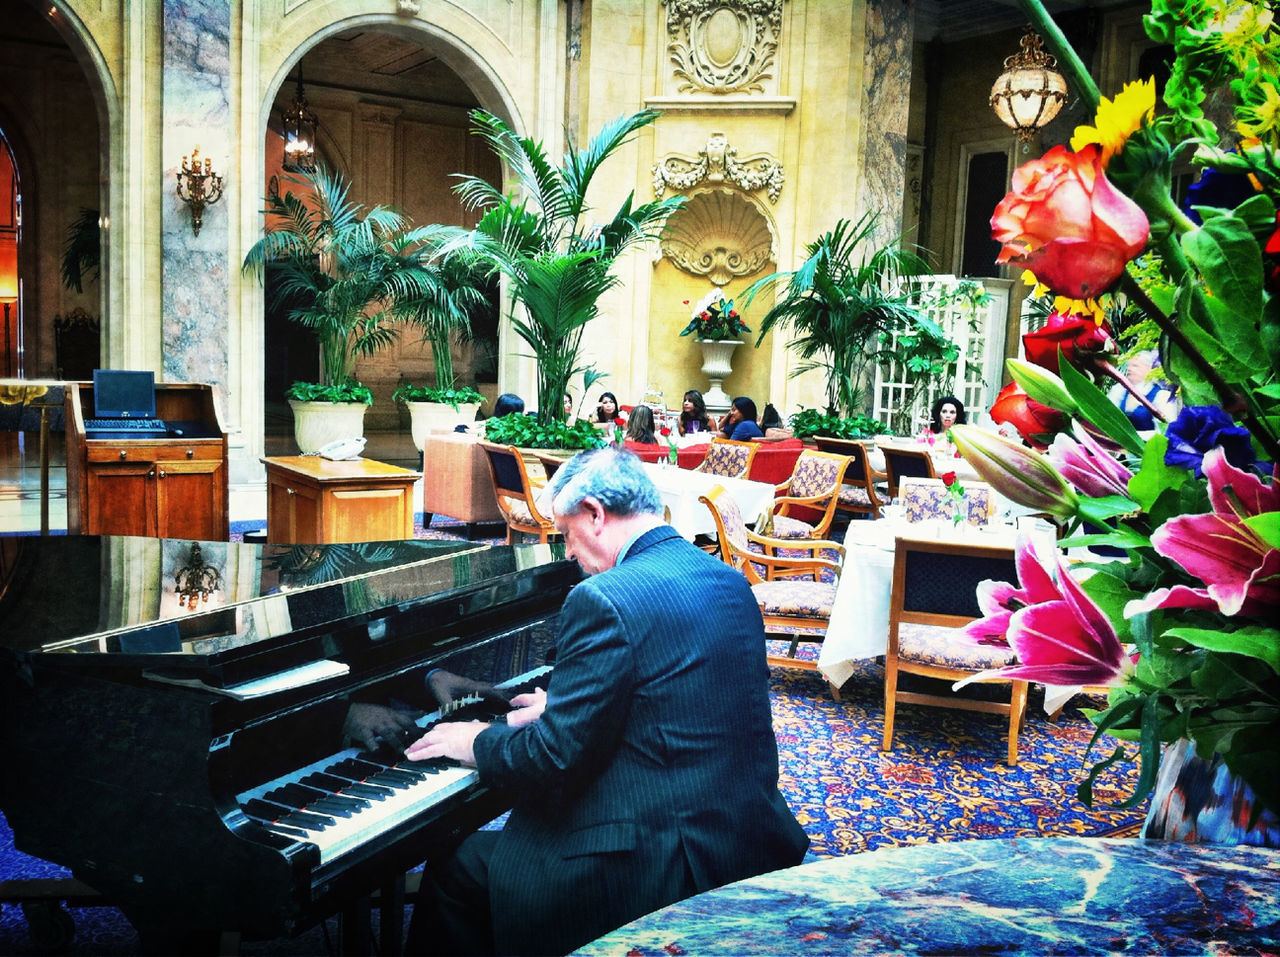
(740, 423)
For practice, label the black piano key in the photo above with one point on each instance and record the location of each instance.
(392, 781)
(256, 807)
(393, 763)
(336, 806)
(355, 769)
(325, 782)
(283, 828)
(374, 792)
(316, 822)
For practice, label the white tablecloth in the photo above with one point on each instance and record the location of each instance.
(680, 489)
(859, 626)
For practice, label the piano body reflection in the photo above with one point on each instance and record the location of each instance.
(190, 765)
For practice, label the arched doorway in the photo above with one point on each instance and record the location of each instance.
(393, 119)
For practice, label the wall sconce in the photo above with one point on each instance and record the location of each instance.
(198, 187)
(1029, 93)
(195, 581)
(300, 134)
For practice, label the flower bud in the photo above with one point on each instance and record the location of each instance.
(1041, 385)
(1017, 473)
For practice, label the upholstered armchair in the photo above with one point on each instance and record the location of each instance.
(796, 591)
(728, 458)
(516, 493)
(807, 502)
(923, 498)
(858, 495)
(934, 586)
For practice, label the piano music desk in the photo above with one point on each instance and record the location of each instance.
(311, 500)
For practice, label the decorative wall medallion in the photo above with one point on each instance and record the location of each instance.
(720, 234)
(718, 162)
(723, 46)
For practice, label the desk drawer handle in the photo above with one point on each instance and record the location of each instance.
(162, 473)
(151, 474)
(123, 454)
(288, 491)
(191, 453)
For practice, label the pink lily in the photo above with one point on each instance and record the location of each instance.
(1240, 570)
(999, 600)
(1088, 466)
(1063, 639)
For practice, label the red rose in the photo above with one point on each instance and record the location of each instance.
(1032, 420)
(948, 479)
(1079, 338)
(1065, 222)
(665, 430)
(620, 422)
(1271, 257)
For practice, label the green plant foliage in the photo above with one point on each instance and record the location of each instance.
(556, 262)
(838, 304)
(348, 391)
(405, 392)
(529, 432)
(354, 275)
(82, 253)
(810, 422)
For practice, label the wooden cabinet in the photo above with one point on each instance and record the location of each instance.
(171, 487)
(311, 500)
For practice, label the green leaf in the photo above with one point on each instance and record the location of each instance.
(1255, 641)
(1154, 476)
(1121, 537)
(1098, 409)
(1098, 510)
(1267, 526)
(1230, 262)
(1111, 594)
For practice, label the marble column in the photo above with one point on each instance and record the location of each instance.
(886, 97)
(197, 113)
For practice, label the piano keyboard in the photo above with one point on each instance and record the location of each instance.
(346, 799)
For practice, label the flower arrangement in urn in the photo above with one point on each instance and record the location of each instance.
(714, 318)
(1182, 629)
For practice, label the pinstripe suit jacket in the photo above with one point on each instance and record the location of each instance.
(653, 771)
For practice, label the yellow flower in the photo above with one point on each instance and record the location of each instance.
(1260, 119)
(1119, 119)
(1062, 304)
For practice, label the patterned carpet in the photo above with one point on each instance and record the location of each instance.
(945, 780)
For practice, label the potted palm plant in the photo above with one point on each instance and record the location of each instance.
(460, 293)
(557, 263)
(352, 276)
(838, 305)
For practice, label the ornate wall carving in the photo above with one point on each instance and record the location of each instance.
(720, 234)
(718, 162)
(723, 46)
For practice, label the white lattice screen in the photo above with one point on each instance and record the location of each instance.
(979, 333)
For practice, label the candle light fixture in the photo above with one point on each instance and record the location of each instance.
(299, 133)
(1030, 92)
(195, 581)
(198, 186)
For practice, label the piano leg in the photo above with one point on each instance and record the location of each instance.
(355, 929)
(391, 921)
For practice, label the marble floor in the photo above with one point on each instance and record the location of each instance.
(20, 480)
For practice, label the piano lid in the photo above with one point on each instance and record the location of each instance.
(114, 596)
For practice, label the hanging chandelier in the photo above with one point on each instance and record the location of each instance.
(195, 581)
(1030, 92)
(299, 133)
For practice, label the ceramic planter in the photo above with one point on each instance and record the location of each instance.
(316, 424)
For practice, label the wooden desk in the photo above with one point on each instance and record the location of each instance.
(311, 500)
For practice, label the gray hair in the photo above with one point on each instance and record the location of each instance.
(613, 477)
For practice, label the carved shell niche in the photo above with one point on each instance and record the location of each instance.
(720, 234)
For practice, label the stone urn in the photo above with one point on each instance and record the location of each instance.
(316, 424)
(428, 417)
(716, 366)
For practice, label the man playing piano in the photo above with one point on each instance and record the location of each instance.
(647, 771)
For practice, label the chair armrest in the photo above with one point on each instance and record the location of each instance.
(782, 565)
(812, 500)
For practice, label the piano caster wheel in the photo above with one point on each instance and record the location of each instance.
(51, 927)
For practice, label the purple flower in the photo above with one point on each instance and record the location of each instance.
(1198, 430)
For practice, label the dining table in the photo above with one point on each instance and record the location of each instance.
(942, 453)
(681, 488)
(859, 624)
(1026, 895)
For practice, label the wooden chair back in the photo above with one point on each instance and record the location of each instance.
(515, 493)
(923, 498)
(728, 458)
(859, 495)
(809, 498)
(898, 463)
(935, 584)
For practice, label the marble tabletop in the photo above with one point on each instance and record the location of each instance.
(1011, 896)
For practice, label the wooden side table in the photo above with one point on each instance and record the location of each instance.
(311, 500)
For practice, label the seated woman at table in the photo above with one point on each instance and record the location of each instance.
(694, 417)
(607, 408)
(946, 412)
(772, 425)
(640, 428)
(1138, 371)
(739, 423)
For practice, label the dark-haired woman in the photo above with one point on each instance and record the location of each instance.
(693, 415)
(947, 411)
(740, 423)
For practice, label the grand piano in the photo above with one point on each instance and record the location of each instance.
(190, 765)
